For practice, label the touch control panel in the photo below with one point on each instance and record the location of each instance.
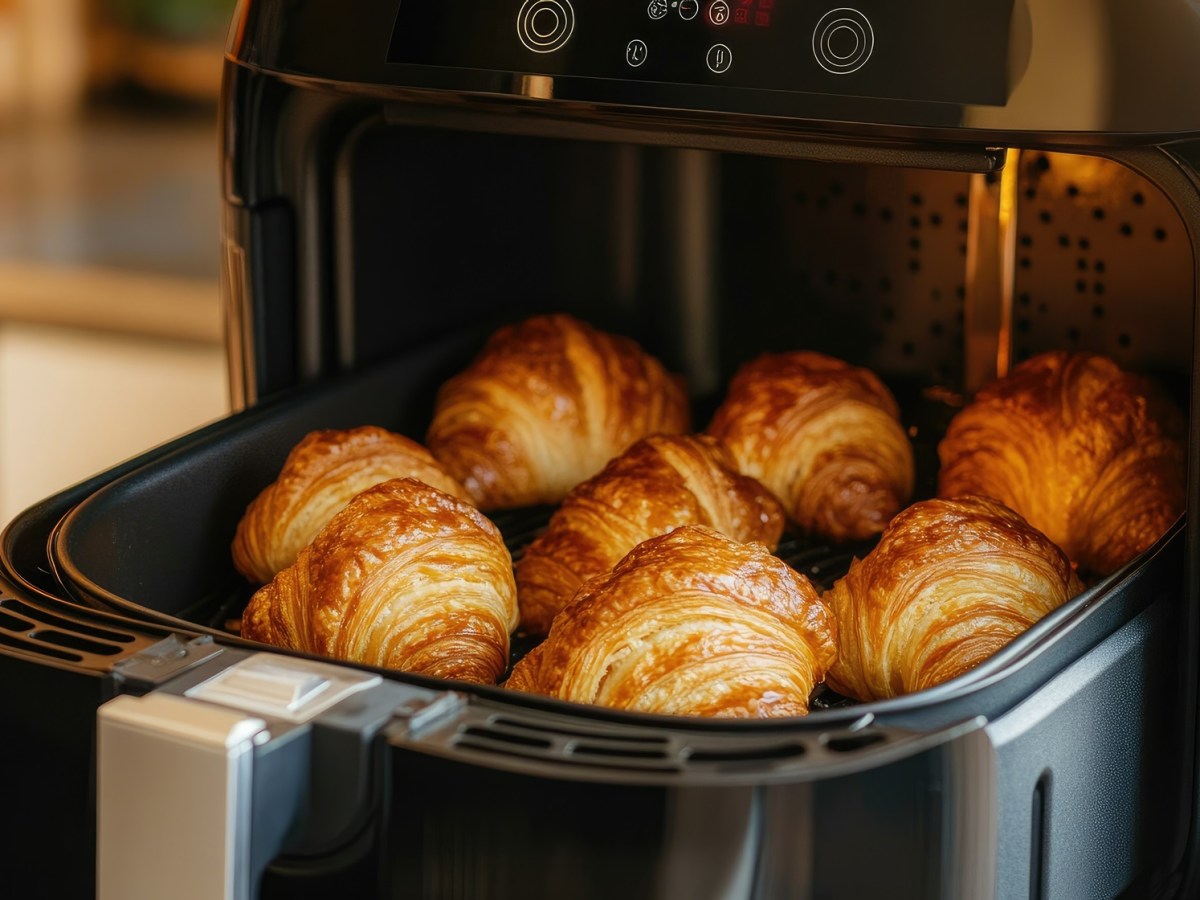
(946, 51)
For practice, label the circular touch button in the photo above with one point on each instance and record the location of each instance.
(545, 25)
(719, 59)
(843, 41)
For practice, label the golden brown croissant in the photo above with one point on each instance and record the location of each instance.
(949, 584)
(545, 405)
(319, 477)
(824, 437)
(1089, 454)
(657, 485)
(405, 577)
(689, 623)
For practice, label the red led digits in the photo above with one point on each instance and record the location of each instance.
(747, 11)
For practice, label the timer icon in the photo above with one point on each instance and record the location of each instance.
(718, 13)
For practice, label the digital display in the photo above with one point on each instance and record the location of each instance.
(941, 51)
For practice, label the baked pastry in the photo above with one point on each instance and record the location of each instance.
(657, 485)
(689, 623)
(949, 583)
(405, 577)
(824, 436)
(1092, 456)
(545, 405)
(319, 477)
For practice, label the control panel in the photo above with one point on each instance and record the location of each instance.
(943, 51)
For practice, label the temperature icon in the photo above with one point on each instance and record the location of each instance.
(718, 13)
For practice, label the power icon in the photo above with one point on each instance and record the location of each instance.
(720, 58)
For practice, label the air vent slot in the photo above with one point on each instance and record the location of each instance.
(853, 742)
(75, 642)
(38, 649)
(521, 740)
(616, 752)
(46, 618)
(779, 751)
(508, 722)
(12, 623)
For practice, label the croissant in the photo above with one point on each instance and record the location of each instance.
(688, 623)
(545, 405)
(1092, 456)
(824, 437)
(405, 577)
(949, 583)
(657, 485)
(319, 477)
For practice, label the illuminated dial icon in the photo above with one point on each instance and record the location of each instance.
(545, 25)
(657, 9)
(843, 41)
(688, 8)
(718, 13)
(720, 58)
(636, 53)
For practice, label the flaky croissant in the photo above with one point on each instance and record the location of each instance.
(657, 485)
(1089, 454)
(824, 437)
(545, 405)
(319, 477)
(405, 577)
(949, 584)
(689, 623)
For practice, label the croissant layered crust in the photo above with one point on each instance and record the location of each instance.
(319, 477)
(544, 406)
(688, 623)
(660, 483)
(949, 584)
(1089, 454)
(405, 577)
(824, 437)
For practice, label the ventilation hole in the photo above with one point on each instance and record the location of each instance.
(1081, 286)
(1045, 216)
(1072, 190)
(836, 189)
(1098, 288)
(1098, 214)
(508, 722)
(885, 214)
(1085, 244)
(962, 249)
(915, 243)
(1037, 839)
(45, 618)
(1026, 241)
(1043, 307)
(520, 740)
(1024, 326)
(914, 265)
(889, 314)
(916, 199)
(1064, 240)
(1126, 229)
(25, 646)
(1042, 163)
(1139, 198)
(616, 752)
(1099, 266)
(1124, 340)
(1073, 334)
(992, 177)
(935, 219)
(936, 329)
(1160, 234)
(963, 226)
(1031, 193)
(1097, 311)
(1024, 299)
(782, 751)
(854, 742)
(859, 208)
(960, 199)
(908, 348)
(75, 642)
(915, 221)
(1026, 262)
(1081, 264)
(961, 292)
(12, 623)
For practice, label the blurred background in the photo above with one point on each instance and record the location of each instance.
(110, 324)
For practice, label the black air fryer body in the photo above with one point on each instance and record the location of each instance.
(934, 191)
